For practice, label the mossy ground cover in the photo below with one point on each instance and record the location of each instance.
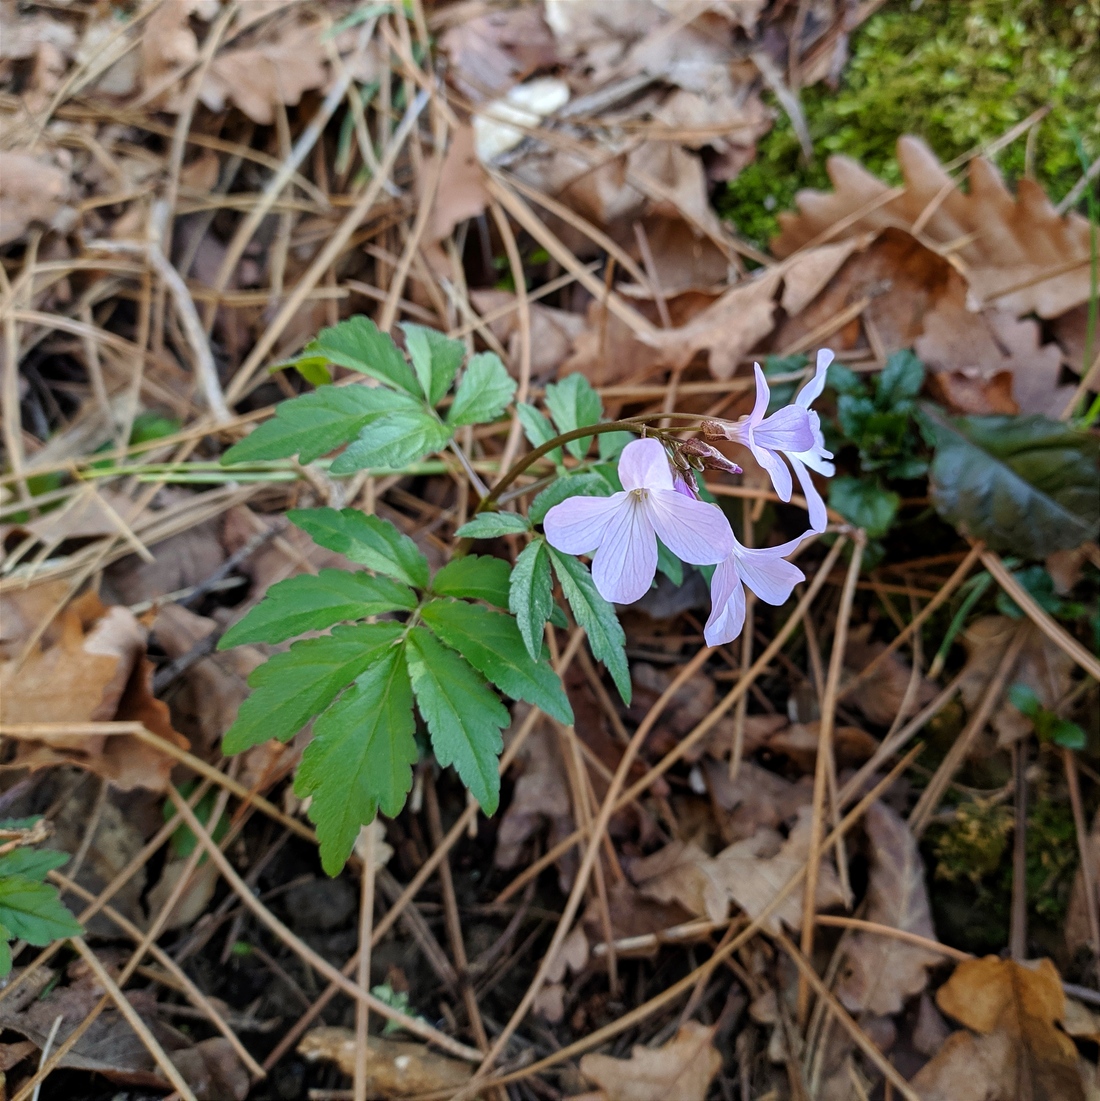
(958, 74)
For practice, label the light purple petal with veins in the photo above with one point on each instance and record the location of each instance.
(777, 470)
(727, 613)
(624, 566)
(763, 397)
(577, 524)
(695, 531)
(787, 429)
(644, 465)
(819, 518)
(767, 572)
(812, 390)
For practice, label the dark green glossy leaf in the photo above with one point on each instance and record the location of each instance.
(1026, 485)
(463, 715)
(484, 392)
(291, 688)
(315, 603)
(900, 380)
(358, 345)
(530, 597)
(476, 577)
(436, 359)
(316, 423)
(490, 525)
(865, 503)
(490, 641)
(368, 540)
(360, 758)
(596, 616)
(394, 442)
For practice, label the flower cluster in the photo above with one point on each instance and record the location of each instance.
(621, 531)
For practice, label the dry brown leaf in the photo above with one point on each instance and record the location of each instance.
(1023, 1003)
(880, 973)
(682, 872)
(880, 695)
(167, 42)
(754, 871)
(1010, 242)
(1042, 665)
(90, 512)
(970, 1068)
(111, 1047)
(552, 331)
(461, 193)
(980, 347)
(394, 1069)
(89, 667)
(682, 1069)
(800, 741)
(256, 78)
(634, 915)
(33, 191)
(756, 797)
(972, 392)
(491, 52)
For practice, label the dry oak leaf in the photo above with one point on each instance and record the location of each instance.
(33, 191)
(167, 42)
(735, 323)
(755, 871)
(89, 667)
(1017, 253)
(879, 972)
(257, 78)
(394, 1069)
(880, 695)
(970, 348)
(552, 330)
(1017, 1009)
(682, 1069)
(682, 872)
(461, 193)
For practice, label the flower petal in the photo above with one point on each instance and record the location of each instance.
(644, 465)
(777, 471)
(727, 613)
(768, 573)
(695, 531)
(819, 519)
(812, 390)
(787, 429)
(626, 563)
(763, 396)
(577, 524)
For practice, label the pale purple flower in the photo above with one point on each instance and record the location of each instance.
(622, 529)
(786, 430)
(816, 457)
(765, 571)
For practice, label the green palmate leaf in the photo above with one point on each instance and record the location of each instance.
(596, 616)
(477, 577)
(486, 388)
(530, 597)
(490, 525)
(33, 863)
(436, 359)
(611, 444)
(900, 380)
(490, 641)
(864, 503)
(537, 429)
(1026, 485)
(463, 715)
(361, 757)
(317, 423)
(315, 603)
(291, 688)
(368, 540)
(33, 911)
(393, 442)
(358, 345)
(585, 484)
(574, 404)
